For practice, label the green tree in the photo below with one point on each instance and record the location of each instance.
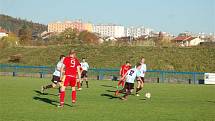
(25, 35)
(69, 33)
(88, 37)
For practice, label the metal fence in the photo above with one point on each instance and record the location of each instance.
(153, 76)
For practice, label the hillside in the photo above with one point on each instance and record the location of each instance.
(14, 24)
(197, 59)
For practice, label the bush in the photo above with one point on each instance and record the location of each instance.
(15, 58)
(10, 41)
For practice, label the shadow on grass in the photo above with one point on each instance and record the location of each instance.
(209, 101)
(107, 86)
(111, 90)
(49, 101)
(39, 93)
(110, 96)
(46, 100)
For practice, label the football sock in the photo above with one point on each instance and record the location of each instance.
(78, 84)
(123, 83)
(73, 95)
(59, 90)
(119, 83)
(48, 86)
(140, 88)
(62, 95)
(137, 90)
(121, 91)
(87, 84)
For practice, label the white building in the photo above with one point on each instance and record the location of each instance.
(109, 30)
(137, 31)
(186, 41)
(3, 33)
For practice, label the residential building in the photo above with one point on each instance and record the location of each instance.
(137, 31)
(109, 30)
(186, 41)
(3, 33)
(88, 27)
(61, 26)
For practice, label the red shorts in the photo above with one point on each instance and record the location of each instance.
(70, 81)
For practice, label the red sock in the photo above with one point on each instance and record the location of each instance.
(119, 83)
(79, 84)
(62, 95)
(73, 96)
(123, 83)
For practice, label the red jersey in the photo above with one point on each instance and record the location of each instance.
(71, 65)
(124, 69)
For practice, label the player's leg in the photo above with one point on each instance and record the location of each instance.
(43, 88)
(82, 78)
(87, 83)
(79, 84)
(62, 90)
(123, 83)
(128, 91)
(73, 84)
(138, 88)
(85, 78)
(120, 82)
(62, 95)
(122, 90)
(142, 83)
(59, 87)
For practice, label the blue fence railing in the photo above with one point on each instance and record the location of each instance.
(158, 76)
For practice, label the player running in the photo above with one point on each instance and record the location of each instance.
(56, 76)
(129, 78)
(140, 81)
(123, 71)
(85, 66)
(71, 67)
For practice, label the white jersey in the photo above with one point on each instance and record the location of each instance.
(143, 70)
(57, 68)
(132, 74)
(84, 66)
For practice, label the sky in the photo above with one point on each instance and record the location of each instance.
(172, 16)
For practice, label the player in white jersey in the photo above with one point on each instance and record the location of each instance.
(84, 66)
(140, 81)
(129, 78)
(55, 76)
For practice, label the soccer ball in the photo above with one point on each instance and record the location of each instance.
(148, 95)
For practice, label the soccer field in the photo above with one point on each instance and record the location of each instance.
(20, 100)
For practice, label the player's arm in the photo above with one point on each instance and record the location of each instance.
(62, 72)
(88, 66)
(144, 69)
(79, 72)
(58, 68)
(120, 72)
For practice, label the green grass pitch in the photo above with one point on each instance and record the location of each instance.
(20, 100)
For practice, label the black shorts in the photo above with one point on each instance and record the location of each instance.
(55, 79)
(142, 79)
(84, 74)
(129, 86)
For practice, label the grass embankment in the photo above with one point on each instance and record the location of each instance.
(197, 59)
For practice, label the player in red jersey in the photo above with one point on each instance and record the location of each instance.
(71, 67)
(123, 71)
